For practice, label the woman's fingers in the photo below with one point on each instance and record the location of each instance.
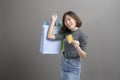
(75, 42)
(54, 17)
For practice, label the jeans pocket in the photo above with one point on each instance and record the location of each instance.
(75, 63)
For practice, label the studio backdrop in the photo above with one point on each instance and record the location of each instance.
(20, 33)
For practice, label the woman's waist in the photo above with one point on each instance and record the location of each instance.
(70, 56)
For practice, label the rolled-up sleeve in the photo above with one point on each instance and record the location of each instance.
(59, 36)
(83, 41)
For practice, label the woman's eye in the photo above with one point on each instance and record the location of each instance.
(68, 19)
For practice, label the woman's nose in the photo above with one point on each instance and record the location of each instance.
(67, 22)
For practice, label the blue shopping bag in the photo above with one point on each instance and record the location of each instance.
(50, 46)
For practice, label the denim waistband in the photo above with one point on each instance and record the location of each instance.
(66, 59)
(72, 57)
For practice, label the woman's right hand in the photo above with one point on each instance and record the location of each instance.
(54, 17)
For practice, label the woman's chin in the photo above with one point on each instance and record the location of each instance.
(71, 28)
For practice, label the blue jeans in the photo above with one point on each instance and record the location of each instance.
(70, 69)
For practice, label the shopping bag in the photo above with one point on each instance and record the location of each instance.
(51, 46)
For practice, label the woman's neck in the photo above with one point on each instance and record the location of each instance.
(74, 29)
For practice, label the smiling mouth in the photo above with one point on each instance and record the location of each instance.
(70, 25)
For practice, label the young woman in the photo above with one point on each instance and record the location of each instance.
(70, 62)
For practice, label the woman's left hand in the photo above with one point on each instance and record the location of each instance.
(76, 43)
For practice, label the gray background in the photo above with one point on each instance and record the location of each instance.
(20, 29)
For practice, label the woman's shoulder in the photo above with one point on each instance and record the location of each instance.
(63, 32)
(83, 33)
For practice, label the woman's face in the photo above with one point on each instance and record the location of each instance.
(70, 22)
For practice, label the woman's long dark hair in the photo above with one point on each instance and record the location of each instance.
(74, 16)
